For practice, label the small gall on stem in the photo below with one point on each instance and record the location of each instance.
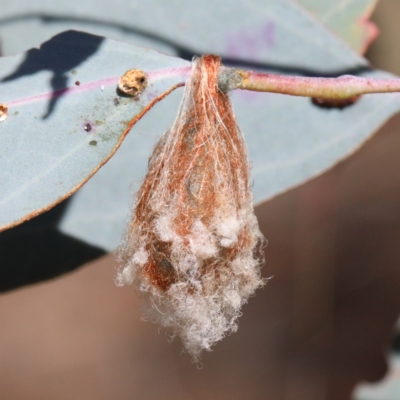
(133, 82)
(334, 103)
(3, 112)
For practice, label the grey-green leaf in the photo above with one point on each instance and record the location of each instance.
(348, 19)
(65, 117)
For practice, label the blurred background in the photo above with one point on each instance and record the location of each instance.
(323, 328)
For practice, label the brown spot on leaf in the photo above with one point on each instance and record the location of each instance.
(133, 82)
(87, 127)
(77, 83)
(3, 112)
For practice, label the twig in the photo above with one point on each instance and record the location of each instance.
(343, 87)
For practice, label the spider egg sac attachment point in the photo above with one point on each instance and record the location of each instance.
(193, 246)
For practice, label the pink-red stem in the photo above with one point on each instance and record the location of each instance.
(343, 87)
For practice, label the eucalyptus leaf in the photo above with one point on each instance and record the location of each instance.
(277, 34)
(348, 19)
(66, 117)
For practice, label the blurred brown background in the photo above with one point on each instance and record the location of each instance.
(324, 323)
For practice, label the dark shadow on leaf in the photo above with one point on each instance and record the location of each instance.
(36, 251)
(182, 51)
(60, 55)
(396, 343)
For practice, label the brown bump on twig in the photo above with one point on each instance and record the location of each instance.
(334, 103)
(3, 112)
(133, 82)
